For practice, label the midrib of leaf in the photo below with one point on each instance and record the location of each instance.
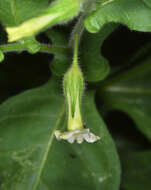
(37, 180)
(25, 116)
(125, 75)
(107, 2)
(146, 4)
(134, 90)
(112, 1)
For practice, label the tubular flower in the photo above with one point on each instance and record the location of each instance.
(73, 84)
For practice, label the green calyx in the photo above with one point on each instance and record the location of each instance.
(58, 11)
(73, 85)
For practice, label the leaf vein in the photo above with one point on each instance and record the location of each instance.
(48, 148)
(135, 90)
(26, 115)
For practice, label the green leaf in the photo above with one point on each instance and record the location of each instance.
(133, 13)
(131, 92)
(136, 170)
(61, 62)
(85, 166)
(14, 12)
(95, 66)
(30, 156)
(27, 126)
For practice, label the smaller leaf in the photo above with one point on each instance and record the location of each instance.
(133, 13)
(94, 65)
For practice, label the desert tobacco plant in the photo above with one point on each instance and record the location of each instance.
(56, 136)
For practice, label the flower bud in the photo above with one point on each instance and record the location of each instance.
(58, 11)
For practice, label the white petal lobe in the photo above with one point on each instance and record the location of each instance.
(78, 135)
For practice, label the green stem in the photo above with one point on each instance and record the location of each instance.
(75, 56)
(79, 26)
(17, 47)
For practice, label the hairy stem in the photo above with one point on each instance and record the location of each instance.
(79, 26)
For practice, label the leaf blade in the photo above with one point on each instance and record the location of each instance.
(95, 66)
(27, 124)
(89, 166)
(32, 179)
(13, 12)
(130, 92)
(135, 14)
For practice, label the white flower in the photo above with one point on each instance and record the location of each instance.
(78, 135)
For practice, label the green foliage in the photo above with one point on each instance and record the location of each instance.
(133, 13)
(14, 12)
(31, 155)
(31, 152)
(90, 54)
(130, 92)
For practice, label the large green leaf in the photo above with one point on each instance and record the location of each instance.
(136, 14)
(131, 93)
(136, 170)
(30, 156)
(13, 12)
